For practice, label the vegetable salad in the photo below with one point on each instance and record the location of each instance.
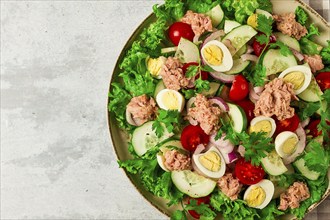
(227, 106)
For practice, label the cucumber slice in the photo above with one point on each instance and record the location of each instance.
(275, 62)
(239, 36)
(216, 14)
(160, 86)
(273, 164)
(263, 12)
(305, 171)
(230, 25)
(312, 93)
(144, 138)
(213, 89)
(187, 51)
(240, 52)
(287, 40)
(238, 66)
(238, 117)
(192, 184)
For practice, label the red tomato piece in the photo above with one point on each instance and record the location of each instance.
(192, 136)
(247, 173)
(202, 200)
(258, 48)
(178, 30)
(312, 127)
(204, 74)
(323, 79)
(248, 108)
(289, 124)
(239, 89)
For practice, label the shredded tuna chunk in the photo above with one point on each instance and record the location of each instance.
(176, 161)
(275, 100)
(205, 114)
(172, 74)
(199, 22)
(287, 24)
(292, 197)
(142, 108)
(230, 186)
(315, 62)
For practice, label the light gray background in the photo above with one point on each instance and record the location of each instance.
(57, 161)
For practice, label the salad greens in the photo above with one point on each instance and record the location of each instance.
(135, 79)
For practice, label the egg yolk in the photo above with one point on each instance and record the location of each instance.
(261, 126)
(252, 20)
(256, 196)
(211, 161)
(296, 78)
(154, 66)
(170, 100)
(289, 146)
(213, 55)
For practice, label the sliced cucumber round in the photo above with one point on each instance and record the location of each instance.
(160, 86)
(238, 117)
(273, 164)
(213, 89)
(216, 14)
(287, 40)
(144, 138)
(230, 25)
(305, 171)
(187, 51)
(192, 184)
(275, 62)
(238, 66)
(312, 93)
(239, 36)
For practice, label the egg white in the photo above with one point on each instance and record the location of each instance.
(269, 189)
(280, 139)
(255, 120)
(227, 59)
(300, 68)
(162, 95)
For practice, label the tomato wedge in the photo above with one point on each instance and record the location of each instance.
(192, 136)
(240, 88)
(204, 74)
(258, 48)
(248, 108)
(289, 124)
(323, 79)
(247, 173)
(202, 200)
(178, 30)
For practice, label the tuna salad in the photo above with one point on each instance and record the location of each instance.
(227, 109)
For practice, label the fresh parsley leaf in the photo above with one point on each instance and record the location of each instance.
(325, 53)
(191, 71)
(325, 118)
(179, 215)
(316, 158)
(202, 85)
(170, 119)
(265, 25)
(202, 209)
(206, 68)
(262, 39)
(301, 15)
(312, 30)
(284, 49)
(307, 109)
(188, 93)
(256, 75)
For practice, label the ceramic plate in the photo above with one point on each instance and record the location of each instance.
(119, 138)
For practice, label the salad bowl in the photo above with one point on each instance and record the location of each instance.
(119, 137)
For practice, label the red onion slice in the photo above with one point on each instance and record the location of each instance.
(241, 150)
(196, 39)
(130, 119)
(190, 103)
(230, 46)
(249, 49)
(214, 36)
(221, 103)
(258, 89)
(225, 146)
(297, 54)
(305, 122)
(254, 97)
(222, 77)
(249, 57)
(300, 145)
(230, 157)
(199, 149)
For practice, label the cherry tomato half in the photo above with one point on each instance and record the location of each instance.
(323, 79)
(192, 136)
(248, 108)
(258, 48)
(204, 74)
(178, 30)
(202, 200)
(312, 127)
(239, 89)
(247, 173)
(289, 124)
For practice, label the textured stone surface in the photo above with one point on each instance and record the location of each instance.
(57, 161)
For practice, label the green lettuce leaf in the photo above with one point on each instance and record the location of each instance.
(201, 6)
(325, 53)
(309, 47)
(301, 15)
(244, 8)
(270, 212)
